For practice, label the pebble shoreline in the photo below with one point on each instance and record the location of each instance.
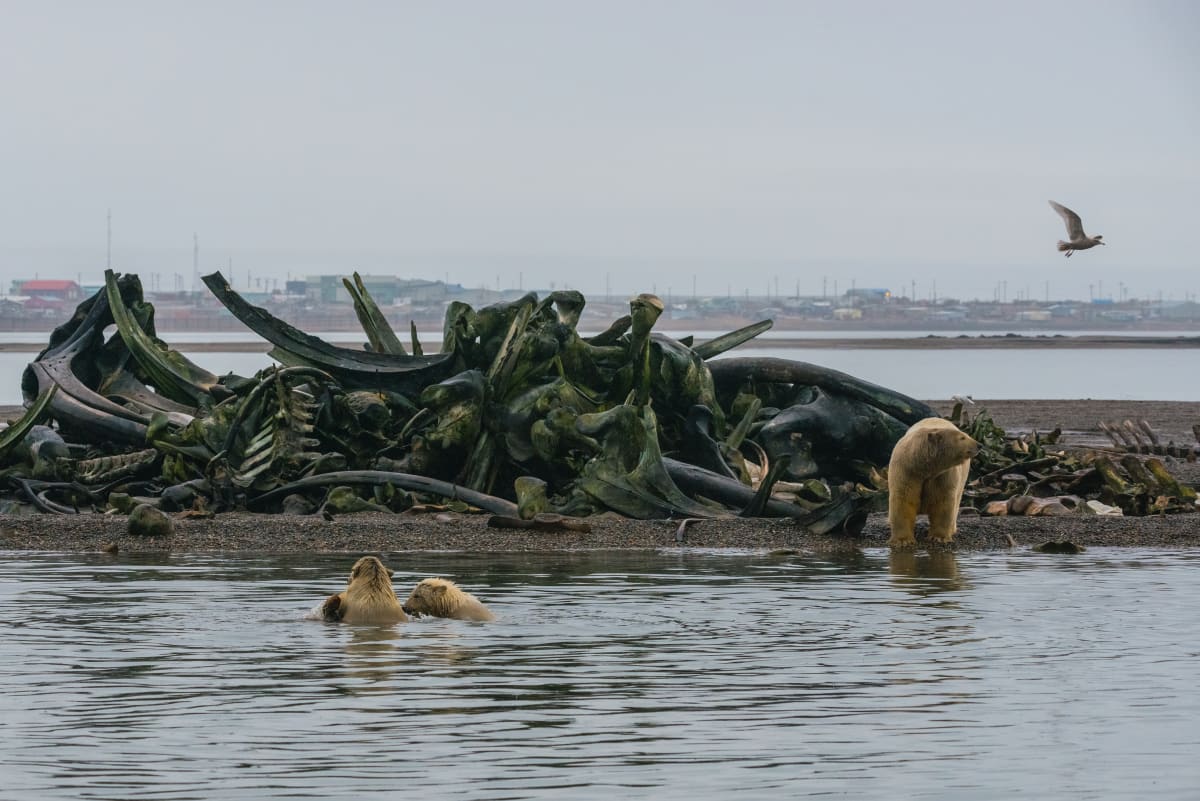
(426, 532)
(373, 532)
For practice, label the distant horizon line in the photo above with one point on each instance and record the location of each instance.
(616, 296)
(781, 277)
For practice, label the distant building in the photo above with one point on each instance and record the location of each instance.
(42, 307)
(1179, 310)
(418, 291)
(13, 306)
(869, 295)
(49, 290)
(387, 290)
(325, 289)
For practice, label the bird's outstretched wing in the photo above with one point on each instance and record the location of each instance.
(1074, 224)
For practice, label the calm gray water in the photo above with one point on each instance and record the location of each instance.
(1107, 374)
(668, 676)
(1167, 374)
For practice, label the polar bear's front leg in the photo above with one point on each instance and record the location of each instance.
(943, 493)
(902, 517)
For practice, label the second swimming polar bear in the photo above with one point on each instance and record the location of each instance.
(369, 598)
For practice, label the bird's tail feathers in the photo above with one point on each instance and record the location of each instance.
(1063, 245)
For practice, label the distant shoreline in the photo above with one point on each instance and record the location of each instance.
(941, 342)
(915, 342)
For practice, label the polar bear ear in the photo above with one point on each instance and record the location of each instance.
(390, 572)
(441, 589)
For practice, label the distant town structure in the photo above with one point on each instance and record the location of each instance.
(42, 299)
(870, 295)
(49, 290)
(387, 290)
(321, 303)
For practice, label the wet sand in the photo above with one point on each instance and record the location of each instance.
(376, 532)
(1080, 419)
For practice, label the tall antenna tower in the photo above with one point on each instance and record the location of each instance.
(195, 263)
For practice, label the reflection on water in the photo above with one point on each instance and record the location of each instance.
(372, 657)
(926, 572)
(660, 675)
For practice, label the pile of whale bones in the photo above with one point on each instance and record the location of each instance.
(518, 414)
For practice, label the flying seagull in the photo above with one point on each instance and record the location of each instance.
(1078, 240)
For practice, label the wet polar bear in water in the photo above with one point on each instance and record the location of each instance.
(441, 598)
(368, 597)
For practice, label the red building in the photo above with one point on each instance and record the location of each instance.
(49, 290)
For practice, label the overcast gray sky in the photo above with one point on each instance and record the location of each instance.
(651, 143)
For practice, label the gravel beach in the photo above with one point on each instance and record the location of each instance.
(453, 532)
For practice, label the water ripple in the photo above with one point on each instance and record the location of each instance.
(670, 675)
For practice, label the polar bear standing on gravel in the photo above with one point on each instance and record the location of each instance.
(926, 475)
